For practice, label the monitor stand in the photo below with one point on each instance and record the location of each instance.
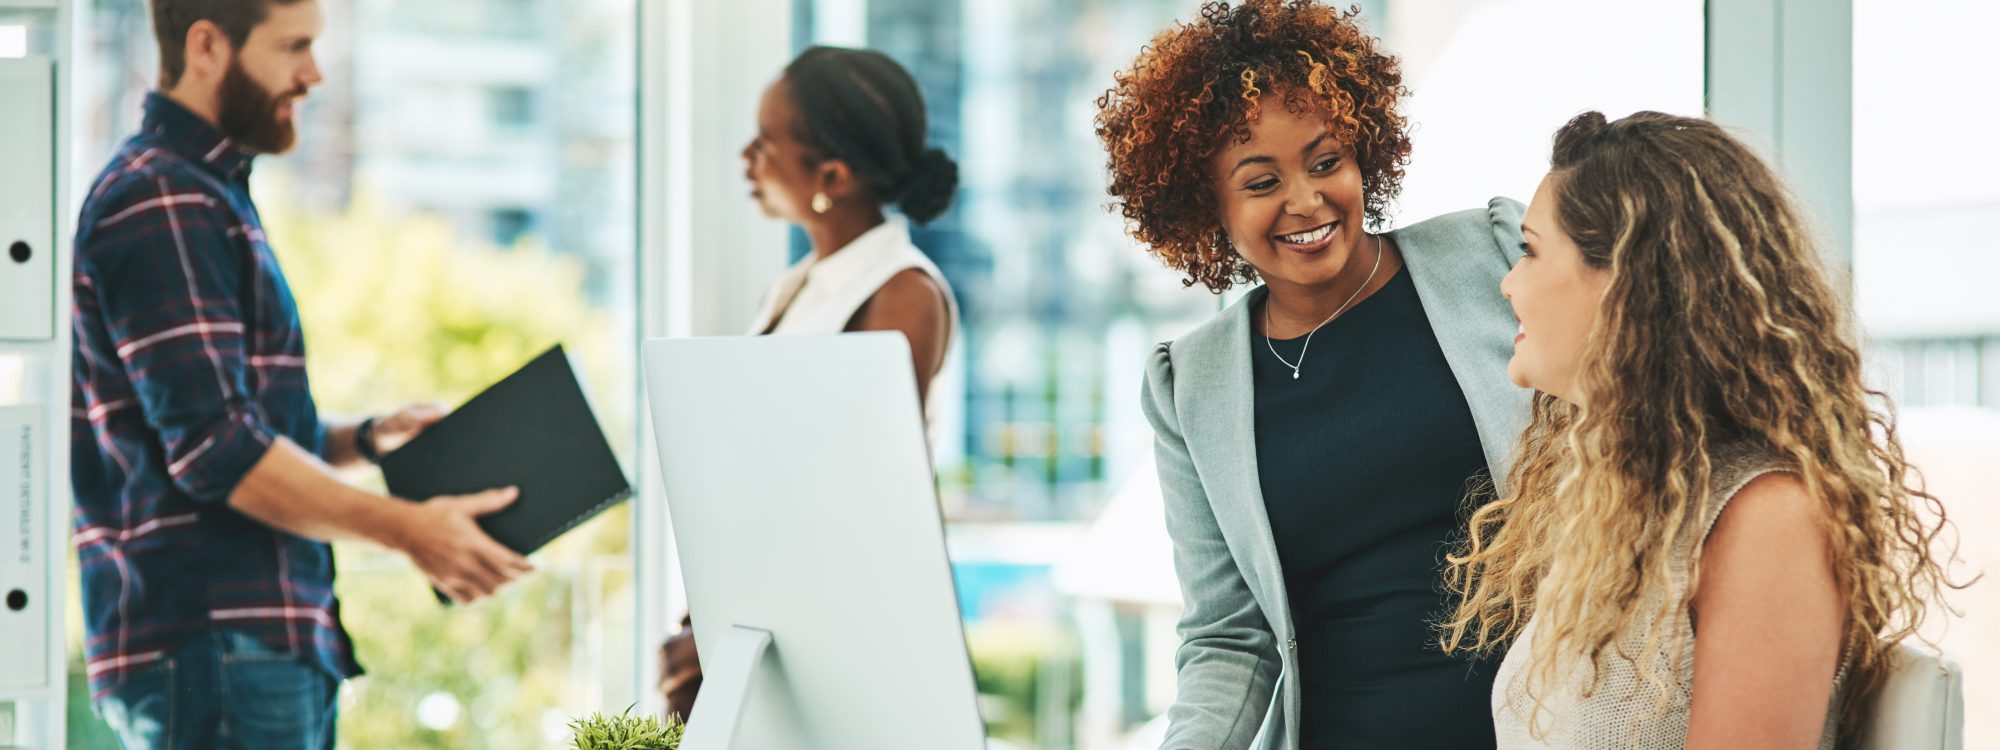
(725, 688)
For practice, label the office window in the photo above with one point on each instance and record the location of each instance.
(412, 234)
(1925, 212)
(13, 41)
(1926, 215)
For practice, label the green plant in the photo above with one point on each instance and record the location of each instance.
(626, 732)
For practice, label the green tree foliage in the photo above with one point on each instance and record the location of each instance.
(399, 309)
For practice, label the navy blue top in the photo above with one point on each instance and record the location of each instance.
(189, 364)
(1364, 462)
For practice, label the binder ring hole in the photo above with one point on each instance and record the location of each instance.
(17, 600)
(20, 252)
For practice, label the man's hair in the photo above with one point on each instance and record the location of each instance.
(173, 18)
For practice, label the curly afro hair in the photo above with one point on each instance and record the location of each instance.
(1200, 83)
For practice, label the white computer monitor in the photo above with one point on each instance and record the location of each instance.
(799, 484)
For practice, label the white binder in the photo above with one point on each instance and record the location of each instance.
(27, 200)
(24, 553)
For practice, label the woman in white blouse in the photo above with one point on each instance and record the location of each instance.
(841, 137)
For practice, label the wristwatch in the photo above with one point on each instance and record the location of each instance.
(364, 441)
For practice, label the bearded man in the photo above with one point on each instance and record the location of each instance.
(204, 478)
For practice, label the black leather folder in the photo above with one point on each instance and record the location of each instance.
(533, 430)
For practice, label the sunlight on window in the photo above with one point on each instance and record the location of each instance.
(1925, 210)
(13, 41)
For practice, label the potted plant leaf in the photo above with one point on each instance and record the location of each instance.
(626, 732)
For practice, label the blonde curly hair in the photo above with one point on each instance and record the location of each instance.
(1719, 325)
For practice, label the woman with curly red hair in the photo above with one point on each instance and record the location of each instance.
(1317, 440)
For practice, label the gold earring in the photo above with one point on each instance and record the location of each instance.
(821, 204)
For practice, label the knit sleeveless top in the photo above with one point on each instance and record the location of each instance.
(1620, 713)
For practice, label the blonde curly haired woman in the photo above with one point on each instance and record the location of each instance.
(1709, 537)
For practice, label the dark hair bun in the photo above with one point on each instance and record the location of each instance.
(863, 108)
(928, 191)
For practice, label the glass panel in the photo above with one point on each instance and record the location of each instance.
(1041, 421)
(1491, 80)
(463, 157)
(1926, 219)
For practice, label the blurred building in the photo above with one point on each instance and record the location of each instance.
(1059, 305)
(512, 119)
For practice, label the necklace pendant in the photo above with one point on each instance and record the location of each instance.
(1295, 374)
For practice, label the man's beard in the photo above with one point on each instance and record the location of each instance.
(249, 114)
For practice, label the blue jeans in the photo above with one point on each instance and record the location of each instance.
(221, 690)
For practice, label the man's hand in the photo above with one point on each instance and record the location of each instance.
(290, 489)
(443, 538)
(398, 429)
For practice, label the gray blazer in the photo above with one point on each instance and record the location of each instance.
(1236, 629)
